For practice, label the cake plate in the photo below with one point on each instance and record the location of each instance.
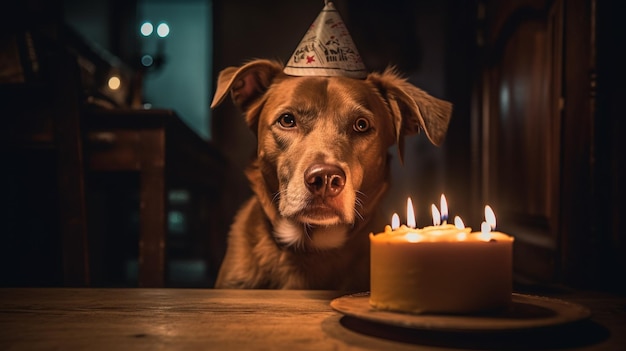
(526, 312)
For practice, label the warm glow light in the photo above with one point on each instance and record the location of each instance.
(163, 30)
(413, 237)
(444, 209)
(485, 231)
(410, 214)
(458, 222)
(146, 29)
(114, 83)
(395, 221)
(461, 236)
(490, 217)
(436, 215)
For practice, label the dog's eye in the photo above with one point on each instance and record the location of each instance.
(361, 125)
(287, 120)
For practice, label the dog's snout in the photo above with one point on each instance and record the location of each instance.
(325, 180)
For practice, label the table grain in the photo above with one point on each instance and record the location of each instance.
(208, 319)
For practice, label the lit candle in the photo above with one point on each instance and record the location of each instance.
(436, 215)
(488, 226)
(439, 229)
(440, 269)
(490, 217)
(485, 232)
(458, 222)
(410, 214)
(395, 221)
(444, 209)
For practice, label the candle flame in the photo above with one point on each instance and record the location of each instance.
(395, 221)
(436, 215)
(490, 217)
(410, 214)
(461, 236)
(444, 209)
(458, 222)
(485, 231)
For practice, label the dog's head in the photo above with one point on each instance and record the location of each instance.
(322, 159)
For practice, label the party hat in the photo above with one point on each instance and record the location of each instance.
(327, 49)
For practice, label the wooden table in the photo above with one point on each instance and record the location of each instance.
(151, 319)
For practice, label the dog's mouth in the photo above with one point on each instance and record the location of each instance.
(320, 214)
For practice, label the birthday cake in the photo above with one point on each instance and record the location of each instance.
(440, 269)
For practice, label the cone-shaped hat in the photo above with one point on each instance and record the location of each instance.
(327, 49)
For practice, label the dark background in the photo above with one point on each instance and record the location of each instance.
(550, 161)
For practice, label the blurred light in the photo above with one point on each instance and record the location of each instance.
(114, 83)
(178, 196)
(163, 30)
(505, 97)
(147, 60)
(146, 29)
(176, 222)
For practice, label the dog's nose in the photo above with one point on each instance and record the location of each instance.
(325, 180)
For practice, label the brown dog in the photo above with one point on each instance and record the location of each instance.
(321, 169)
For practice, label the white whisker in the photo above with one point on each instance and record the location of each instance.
(306, 228)
(358, 214)
(358, 203)
(276, 197)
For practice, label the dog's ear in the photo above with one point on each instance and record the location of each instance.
(412, 109)
(246, 83)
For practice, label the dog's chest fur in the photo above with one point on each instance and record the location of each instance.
(263, 266)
